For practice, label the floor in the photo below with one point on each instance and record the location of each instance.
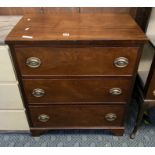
(83, 138)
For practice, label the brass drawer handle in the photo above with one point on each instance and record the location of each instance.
(153, 93)
(121, 62)
(43, 118)
(111, 117)
(38, 92)
(115, 91)
(33, 62)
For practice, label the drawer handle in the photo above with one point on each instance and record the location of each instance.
(33, 62)
(111, 117)
(38, 92)
(153, 93)
(115, 91)
(121, 62)
(43, 118)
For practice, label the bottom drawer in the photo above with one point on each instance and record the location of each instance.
(13, 120)
(76, 116)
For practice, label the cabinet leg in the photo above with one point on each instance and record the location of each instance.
(117, 132)
(138, 120)
(37, 132)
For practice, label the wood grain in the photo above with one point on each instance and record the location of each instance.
(82, 27)
(73, 61)
(105, 9)
(77, 90)
(35, 10)
(69, 116)
(53, 10)
(77, 69)
(20, 10)
(44, 10)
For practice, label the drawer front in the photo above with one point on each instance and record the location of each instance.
(6, 67)
(13, 120)
(73, 116)
(76, 61)
(10, 97)
(77, 90)
(151, 90)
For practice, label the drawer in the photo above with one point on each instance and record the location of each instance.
(10, 97)
(13, 120)
(151, 88)
(77, 90)
(72, 116)
(45, 61)
(6, 67)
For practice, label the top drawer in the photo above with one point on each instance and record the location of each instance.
(76, 61)
(6, 67)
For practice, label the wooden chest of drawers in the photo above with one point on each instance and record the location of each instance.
(76, 71)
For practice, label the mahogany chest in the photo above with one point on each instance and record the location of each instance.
(76, 71)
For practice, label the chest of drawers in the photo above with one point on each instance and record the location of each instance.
(76, 71)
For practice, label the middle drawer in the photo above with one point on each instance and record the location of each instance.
(77, 90)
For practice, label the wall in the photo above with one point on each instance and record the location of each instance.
(25, 10)
(140, 15)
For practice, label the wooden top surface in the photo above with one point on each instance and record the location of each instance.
(77, 27)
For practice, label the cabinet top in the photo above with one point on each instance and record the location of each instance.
(73, 27)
